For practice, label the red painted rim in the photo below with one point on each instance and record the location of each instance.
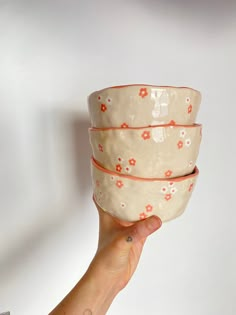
(176, 179)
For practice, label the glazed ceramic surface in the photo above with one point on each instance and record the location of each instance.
(143, 105)
(132, 199)
(152, 152)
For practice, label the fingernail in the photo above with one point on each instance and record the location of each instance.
(155, 223)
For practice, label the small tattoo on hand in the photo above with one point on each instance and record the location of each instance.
(129, 239)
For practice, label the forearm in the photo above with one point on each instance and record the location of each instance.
(92, 295)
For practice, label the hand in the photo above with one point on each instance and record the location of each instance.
(120, 246)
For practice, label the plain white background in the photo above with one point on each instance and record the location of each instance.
(52, 55)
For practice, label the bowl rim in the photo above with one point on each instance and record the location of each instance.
(122, 86)
(194, 173)
(146, 127)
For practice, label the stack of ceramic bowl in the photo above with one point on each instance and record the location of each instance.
(145, 144)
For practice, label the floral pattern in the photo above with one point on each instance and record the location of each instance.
(146, 135)
(100, 147)
(187, 142)
(182, 133)
(118, 168)
(180, 144)
(143, 92)
(172, 122)
(127, 169)
(168, 173)
(132, 162)
(119, 183)
(149, 208)
(103, 108)
(168, 197)
(164, 189)
(142, 216)
(190, 108)
(124, 125)
(190, 187)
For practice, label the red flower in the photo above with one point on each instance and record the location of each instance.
(172, 122)
(143, 92)
(168, 173)
(118, 168)
(146, 135)
(190, 187)
(168, 197)
(149, 208)
(100, 147)
(142, 216)
(190, 108)
(132, 162)
(119, 183)
(124, 125)
(103, 107)
(180, 144)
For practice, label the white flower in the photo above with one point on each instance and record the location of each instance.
(171, 184)
(188, 142)
(123, 205)
(182, 133)
(108, 100)
(164, 190)
(173, 190)
(127, 169)
(187, 100)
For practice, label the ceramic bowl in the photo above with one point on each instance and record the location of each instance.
(152, 152)
(143, 105)
(132, 198)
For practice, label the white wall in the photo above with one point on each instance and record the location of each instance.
(52, 55)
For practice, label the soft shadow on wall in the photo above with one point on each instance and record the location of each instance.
(62, 159)
(206, 13)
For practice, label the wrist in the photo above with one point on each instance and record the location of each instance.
(100, 288)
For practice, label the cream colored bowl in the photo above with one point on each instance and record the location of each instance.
(151, 152)
(143, 105)
(132, 199)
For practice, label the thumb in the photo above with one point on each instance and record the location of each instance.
(139, 231)
(142, 229)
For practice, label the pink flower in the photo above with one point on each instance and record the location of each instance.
(132, 162)
(119, 183)
(168, 173)
(143, 92)
(172, 122)
(100, 147)
(142, 216)
(103, 107)
(146, 135)
(149, 208)
(180, 144)
(124, 125)
(168, 197)
(118, 168)
(190, 108)
(190, 187)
